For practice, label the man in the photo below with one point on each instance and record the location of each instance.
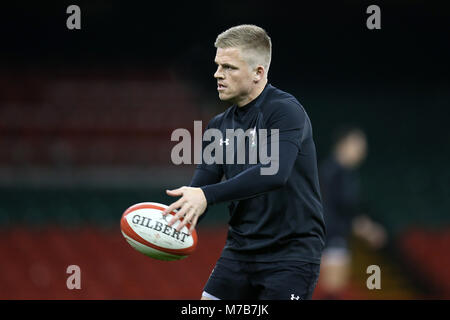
(339, 183)
(276, 228)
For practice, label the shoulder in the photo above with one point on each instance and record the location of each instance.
(283, 104)
(327, 165)
(280, 101)
(217, 120)
(329, 168)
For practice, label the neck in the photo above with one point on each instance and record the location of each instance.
(253, 94)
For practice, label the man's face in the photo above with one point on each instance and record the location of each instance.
(234, 76)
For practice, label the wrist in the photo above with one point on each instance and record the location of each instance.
(208, 194)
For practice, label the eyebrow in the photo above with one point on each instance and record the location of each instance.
(225, 64)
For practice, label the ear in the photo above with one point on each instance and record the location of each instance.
(259, 73)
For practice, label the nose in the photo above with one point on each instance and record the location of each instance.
(218, 74)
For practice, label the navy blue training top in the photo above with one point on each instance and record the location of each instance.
(272, 217)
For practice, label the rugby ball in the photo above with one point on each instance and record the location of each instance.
(147, 230)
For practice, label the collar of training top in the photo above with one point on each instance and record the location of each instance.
(255, 102)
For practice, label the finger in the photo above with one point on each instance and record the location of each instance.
(179, 214)
(193, 224)
(177, 204)
(190, 214)
(186, 219)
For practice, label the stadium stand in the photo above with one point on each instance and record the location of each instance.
(81, 146)
(34, 264)
(426, 252)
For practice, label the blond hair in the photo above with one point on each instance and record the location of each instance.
(254, 42)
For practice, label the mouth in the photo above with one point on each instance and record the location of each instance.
(220, 87)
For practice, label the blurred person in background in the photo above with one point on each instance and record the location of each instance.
(339, 182)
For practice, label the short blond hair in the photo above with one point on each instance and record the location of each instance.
(254, 42)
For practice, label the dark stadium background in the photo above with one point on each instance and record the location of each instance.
(86, 117)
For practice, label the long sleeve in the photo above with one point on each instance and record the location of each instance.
(290, 119)
(203, 177)
(250, 182)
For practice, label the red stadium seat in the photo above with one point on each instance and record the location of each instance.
(34, 263)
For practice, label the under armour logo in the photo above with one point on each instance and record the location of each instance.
(227, 142)
(293, 297)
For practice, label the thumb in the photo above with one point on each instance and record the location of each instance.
(175, 193)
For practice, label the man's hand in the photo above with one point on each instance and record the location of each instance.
(373, 232)
(192, 203)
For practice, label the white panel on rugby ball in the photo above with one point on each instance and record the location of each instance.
(147, 231)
